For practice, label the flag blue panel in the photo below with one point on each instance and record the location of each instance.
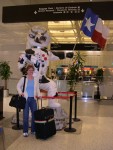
(89, 22)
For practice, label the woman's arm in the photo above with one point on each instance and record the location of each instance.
(20, 85)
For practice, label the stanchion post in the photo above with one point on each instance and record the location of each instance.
(17, 114)
(17, 126)
(70, 129)
(75, 113)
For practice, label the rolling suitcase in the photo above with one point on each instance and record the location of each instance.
(44, 123)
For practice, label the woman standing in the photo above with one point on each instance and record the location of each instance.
(30, 93)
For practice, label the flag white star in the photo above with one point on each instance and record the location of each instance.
(89, 24)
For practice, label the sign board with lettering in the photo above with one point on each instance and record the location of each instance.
(94, 47)
(55, 12)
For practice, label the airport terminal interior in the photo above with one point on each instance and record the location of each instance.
(92, 114)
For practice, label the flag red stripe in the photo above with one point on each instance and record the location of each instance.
(97, 37)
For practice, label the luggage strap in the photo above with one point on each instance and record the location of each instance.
(44, 121)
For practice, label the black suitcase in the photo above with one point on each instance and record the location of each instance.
(44, 123)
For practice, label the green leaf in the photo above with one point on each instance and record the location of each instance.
(5, 71)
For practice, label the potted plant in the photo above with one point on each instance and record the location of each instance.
(99, 80)
(5, 73)
(74, 70)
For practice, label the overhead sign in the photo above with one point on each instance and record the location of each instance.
(55, 12)
(94, 47)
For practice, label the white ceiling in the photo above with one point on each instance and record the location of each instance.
(60, 32)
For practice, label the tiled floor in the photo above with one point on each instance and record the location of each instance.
(94, 131)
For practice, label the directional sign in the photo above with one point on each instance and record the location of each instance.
(55, 12)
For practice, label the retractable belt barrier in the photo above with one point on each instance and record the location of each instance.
(70, 96)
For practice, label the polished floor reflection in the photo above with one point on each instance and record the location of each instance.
(94, 131)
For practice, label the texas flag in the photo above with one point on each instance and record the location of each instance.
(93, 27)
(100, 33)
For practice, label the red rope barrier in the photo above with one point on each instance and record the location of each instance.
(66, 92)
(55, 97)
(59, 96)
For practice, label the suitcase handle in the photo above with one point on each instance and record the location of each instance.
(41, 101)
(38, 102)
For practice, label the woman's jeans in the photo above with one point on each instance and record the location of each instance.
(30, 103)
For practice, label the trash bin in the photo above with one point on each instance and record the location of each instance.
(1, 102)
